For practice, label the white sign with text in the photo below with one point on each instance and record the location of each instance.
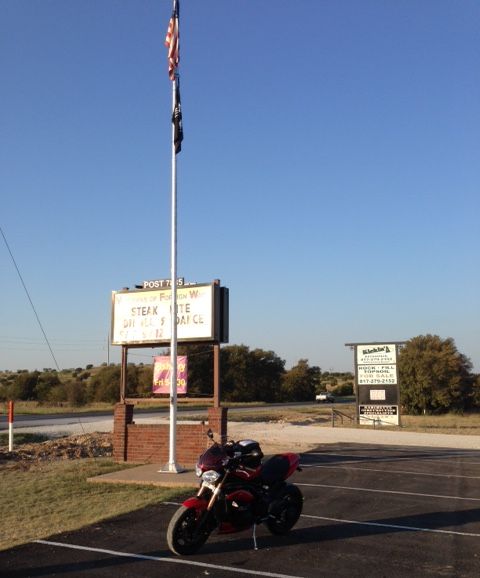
(377, 374)
(376, 354)
(144, 316)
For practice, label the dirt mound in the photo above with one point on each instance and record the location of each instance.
(93, 445)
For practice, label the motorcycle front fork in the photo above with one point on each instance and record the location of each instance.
(215, 491)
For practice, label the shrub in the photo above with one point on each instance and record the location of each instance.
(344, 389)
(76, 393)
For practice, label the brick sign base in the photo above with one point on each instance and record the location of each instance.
(149, 443)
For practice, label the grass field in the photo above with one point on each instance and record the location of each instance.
(466, 424)
(321, 415)
(37, 408)
(54, 497)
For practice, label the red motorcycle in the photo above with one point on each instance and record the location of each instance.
(237, 491)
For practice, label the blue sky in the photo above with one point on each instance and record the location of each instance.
(329, 174)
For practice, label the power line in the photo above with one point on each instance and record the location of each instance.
(74, 342)
(30, 299)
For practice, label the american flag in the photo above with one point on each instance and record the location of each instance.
(172, 41)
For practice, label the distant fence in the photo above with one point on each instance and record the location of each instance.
(352, 419)
(341, 416)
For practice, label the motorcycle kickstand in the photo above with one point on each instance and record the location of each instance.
(255, 547)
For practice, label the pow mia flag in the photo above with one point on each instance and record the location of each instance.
(177, 119)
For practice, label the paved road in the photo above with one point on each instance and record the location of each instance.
(60, 420)
(369, 510)
(33, 421)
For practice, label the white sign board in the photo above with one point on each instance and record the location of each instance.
(376, 381)
(378, 415)
(377, 374)
(144, 316)
(376, 354)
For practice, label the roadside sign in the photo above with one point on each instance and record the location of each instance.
(376, 383)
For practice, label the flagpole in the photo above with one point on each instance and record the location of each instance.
(172, 42)
(172, 466)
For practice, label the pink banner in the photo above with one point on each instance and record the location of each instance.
(162, 374)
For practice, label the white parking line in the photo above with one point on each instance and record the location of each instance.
(363, 458)
(164, 559)
(389, 492)
(393, 526)
(403, 450)
(385, 471)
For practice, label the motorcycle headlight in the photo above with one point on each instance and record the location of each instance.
(210, 476)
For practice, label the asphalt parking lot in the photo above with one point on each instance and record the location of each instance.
(369, 510)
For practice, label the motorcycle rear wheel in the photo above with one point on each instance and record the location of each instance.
(285, 511)
(183, 536)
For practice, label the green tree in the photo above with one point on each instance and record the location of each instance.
(345, 388)
(301, 382)
(24, 386)
(57, 394)
(268, 370)
(434, 376)
(200, 368)
(144, 380)
(236, 374)
(250, 375)
(6, 382)
(76, 393)
(105, 385)
(46, 381)
(475, 396)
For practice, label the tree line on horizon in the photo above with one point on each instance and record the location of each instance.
(434, 378)
(246, 375)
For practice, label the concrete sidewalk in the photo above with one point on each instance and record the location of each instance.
(148, 475)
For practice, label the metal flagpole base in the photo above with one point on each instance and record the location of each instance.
(171, 469)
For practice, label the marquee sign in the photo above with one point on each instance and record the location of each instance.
(142, 317)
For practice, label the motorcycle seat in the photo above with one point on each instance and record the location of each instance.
(275, 468)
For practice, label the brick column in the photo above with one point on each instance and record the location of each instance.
(217, 421)
(123, 415)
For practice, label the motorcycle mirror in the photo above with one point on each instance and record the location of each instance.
(210, 434)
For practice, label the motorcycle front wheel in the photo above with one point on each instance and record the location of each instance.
(285, 511)
(184, 534)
